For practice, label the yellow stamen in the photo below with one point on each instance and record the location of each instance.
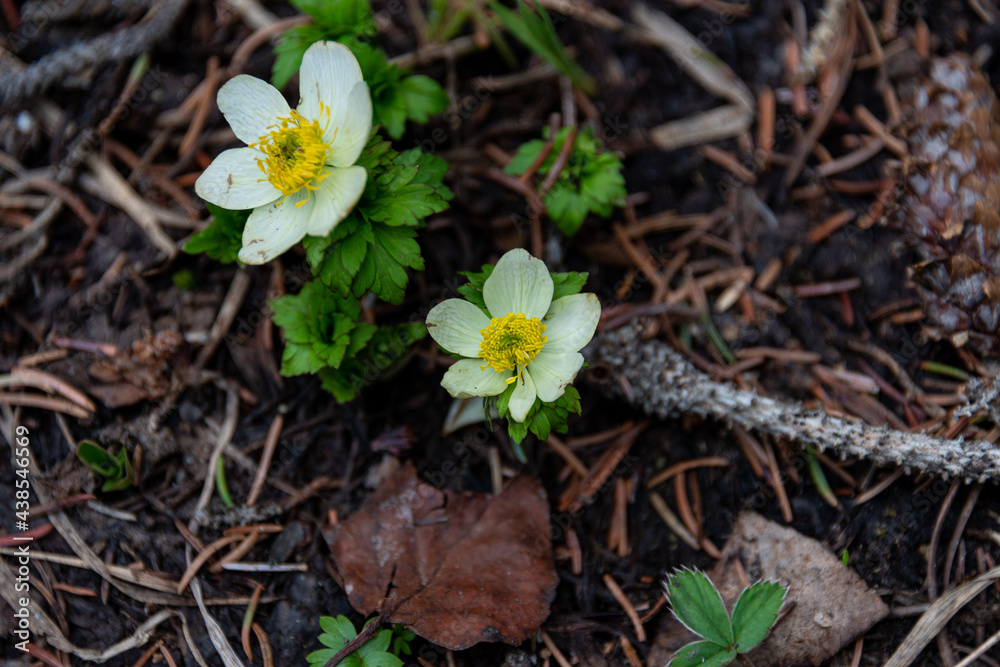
(295, 154)
(511, 342)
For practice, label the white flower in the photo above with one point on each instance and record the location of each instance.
(531, 339)
(296, 172)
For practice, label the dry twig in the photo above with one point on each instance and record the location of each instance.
(667, 385)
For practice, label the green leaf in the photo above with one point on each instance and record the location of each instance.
(396, 97)
(339, 16)
(533, 28)
(423, 97)
(702, 654)
(319, 327)
(386, 350)
(590, 182)
(96, 458)
(431, 170)
(321, 657)
(567, 208)
(377, 644)
(401, 642)
(377, 241)
(473, 290)
(755, 613)
(526, 155)
(565, 284)
(697, 604)
(382, 660)
(517, 432)
(223, 238)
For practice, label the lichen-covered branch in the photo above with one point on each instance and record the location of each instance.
(18, 87)
(663, 383)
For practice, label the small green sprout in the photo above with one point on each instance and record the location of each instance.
(117, 468)
(697, 604)
(590, 182)
(382, 650)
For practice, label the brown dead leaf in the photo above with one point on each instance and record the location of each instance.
(137, 374)
(455, 568)
(829, 604)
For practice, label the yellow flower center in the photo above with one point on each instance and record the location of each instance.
(295, 154)
(511, 342)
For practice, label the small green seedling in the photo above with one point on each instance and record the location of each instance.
(117, 468)
(697, 604)
(382, 650)
(591, 181)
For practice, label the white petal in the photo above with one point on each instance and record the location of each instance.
(349, 137)
(251, 106)
(519, 284)
(523, 397)
(335, 197)
(552, 371)
(328, 73)
(465, 378)
(455, 325)
(272, 230)
(235, 181)
(571, 322)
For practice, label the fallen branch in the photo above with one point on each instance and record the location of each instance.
(663, 383)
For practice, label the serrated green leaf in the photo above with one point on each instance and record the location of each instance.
(567, 208)
(423, 97)
(697, 604)
(317, 325)
(431, 170)
(526, 155)
(223, 238)
(702, 654)
(540, 425)
(517, 432)
(339, 16)
(568, 283)
(755, 612)
(590, 182)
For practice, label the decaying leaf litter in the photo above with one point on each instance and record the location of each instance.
(773, 254)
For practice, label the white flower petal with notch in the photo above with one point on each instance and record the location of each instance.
(520, 283)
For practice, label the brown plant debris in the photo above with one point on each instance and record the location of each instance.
(455, 568)
(827, 605)
(950, 200)
(665, 384)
